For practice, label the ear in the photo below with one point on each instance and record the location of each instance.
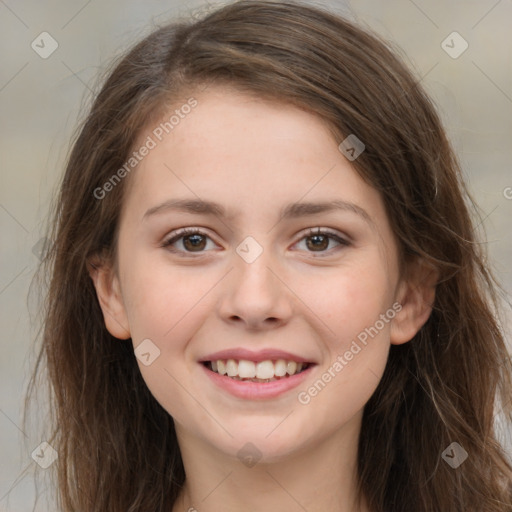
(110, 298)
(416, 294)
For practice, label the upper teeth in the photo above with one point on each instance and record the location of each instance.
(260, 370)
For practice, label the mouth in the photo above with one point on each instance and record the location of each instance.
(257, 371)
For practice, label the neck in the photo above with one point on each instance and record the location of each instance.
(317, 477)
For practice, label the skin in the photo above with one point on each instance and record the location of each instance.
(254, 157)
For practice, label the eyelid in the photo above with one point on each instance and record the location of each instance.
(325, 231)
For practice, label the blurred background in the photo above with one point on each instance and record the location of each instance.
(52, 53)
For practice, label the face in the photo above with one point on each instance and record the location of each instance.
(313, 285)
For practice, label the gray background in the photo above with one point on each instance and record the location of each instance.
(41, 101)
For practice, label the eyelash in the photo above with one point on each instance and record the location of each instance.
(194, 231)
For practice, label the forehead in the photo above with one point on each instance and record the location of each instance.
(248, 154)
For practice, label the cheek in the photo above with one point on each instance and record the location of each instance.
(165, 306)
(349, 299)
(161, 299)
(357, 346)
(356, 315)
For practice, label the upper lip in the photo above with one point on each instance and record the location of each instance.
(249, 355)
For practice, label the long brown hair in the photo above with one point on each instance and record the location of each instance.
(117, 446)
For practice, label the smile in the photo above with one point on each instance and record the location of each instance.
(261, 371)
(262, 380)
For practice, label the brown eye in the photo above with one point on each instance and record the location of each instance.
(318, 241)
(192, 240)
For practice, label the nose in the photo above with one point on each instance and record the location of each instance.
(255, 296)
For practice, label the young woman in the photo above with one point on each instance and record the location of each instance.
(266, 292)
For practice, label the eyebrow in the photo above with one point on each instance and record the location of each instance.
(290, 211)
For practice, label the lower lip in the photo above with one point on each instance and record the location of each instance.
(257, 390)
